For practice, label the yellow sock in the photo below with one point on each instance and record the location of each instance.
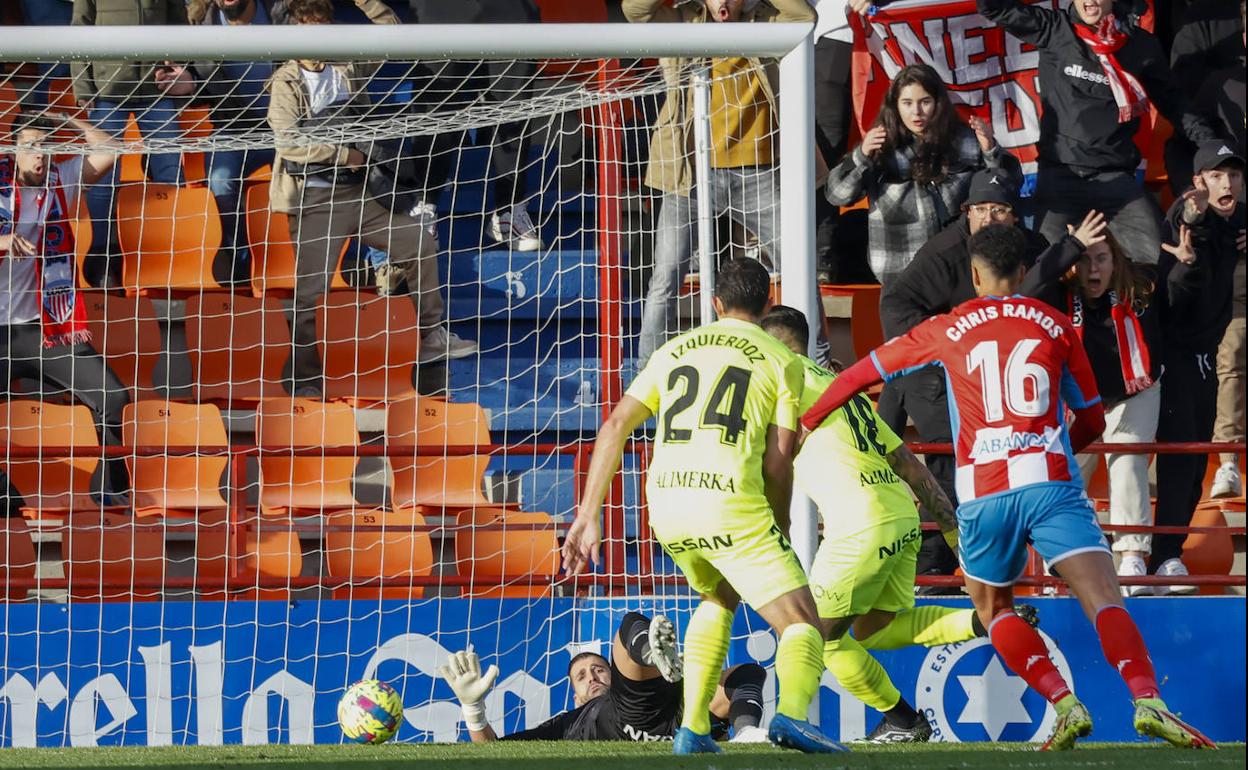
(799, 666)
(706, 646)
(859, 673)
(929, 625)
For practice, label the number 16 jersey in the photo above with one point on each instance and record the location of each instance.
(1012, 365)
(715, 391)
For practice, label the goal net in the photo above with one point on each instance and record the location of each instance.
(353, 328)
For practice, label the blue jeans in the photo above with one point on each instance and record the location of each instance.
(47, 13)
(157, 120)
(226, 171)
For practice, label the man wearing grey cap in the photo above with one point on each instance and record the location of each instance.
(1197, 275)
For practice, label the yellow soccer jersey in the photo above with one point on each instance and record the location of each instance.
(842, 464)
(715, 391)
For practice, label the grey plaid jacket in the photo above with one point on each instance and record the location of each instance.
(902, 214)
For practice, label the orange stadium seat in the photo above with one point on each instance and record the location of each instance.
(195, 124)
(391, 552)
(169, 236)
(309, 484)
(1209, 554)
(503, 562)
(368, 346)
(864, 322)
(9, 106)
(113, 548)
(237, 346)
(170, 484)
(50, 485)
(19, 558)
(266, 548)
(272, 253)
(427, 482)
(130, 168)
(125, 331)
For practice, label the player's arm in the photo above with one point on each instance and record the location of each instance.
(778, 473)
(897, 357)
(462, 671)
(928, 491)
(1078, 388)
(581, 546)
(1029, 23)
(856, 378)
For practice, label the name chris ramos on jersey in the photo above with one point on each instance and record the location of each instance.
(1005, 310)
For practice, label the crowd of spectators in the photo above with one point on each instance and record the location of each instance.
(1158, 298)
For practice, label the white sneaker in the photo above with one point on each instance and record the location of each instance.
(1227, 482)
(663, 653)
(516, 228)
(750, 734)
(426, 215)
(1134, 566)
(441, 343)
(1173, 568)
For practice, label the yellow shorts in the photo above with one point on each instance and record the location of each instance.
(870, 569)
(749, 552)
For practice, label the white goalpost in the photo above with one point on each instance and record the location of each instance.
(263, 548)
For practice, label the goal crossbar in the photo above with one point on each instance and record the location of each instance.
(343, 42)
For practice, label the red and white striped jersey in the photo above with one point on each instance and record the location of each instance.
(1012, 365)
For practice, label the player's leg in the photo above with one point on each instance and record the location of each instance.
(894, 621)
(1092, 579)
(761, 565)
(706, 647)
(739, 702)
(994, 532)
(1025, 653)
(645, 648)
(848, 577)
(799, 669)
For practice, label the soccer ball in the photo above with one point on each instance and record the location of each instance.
(370, 712)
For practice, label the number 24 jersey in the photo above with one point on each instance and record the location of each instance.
(715, 391)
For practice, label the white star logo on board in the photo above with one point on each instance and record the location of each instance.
(994, 699)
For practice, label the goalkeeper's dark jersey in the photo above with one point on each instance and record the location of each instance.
(629, 711)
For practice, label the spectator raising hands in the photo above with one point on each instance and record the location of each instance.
(914, 166)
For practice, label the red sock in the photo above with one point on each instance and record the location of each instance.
(1124, 649)
(1024, 652)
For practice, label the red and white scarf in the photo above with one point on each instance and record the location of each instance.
(1105, 41)
(62, 314)
(1133, 354)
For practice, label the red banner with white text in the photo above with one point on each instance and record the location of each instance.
(989, 73)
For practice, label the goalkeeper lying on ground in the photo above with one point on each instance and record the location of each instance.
(636, 696)
(860, 475)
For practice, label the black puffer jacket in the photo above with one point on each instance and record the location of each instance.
(1079, 127)
(938, 278)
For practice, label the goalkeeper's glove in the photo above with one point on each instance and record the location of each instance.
(951, 537)
(462, 672)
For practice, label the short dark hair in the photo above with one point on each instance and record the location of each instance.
(581, 655)
(999, 247)
(787, 324)
(310, 11)
(28, 121)
(743, 284)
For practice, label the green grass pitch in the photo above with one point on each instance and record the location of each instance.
(620, 755)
